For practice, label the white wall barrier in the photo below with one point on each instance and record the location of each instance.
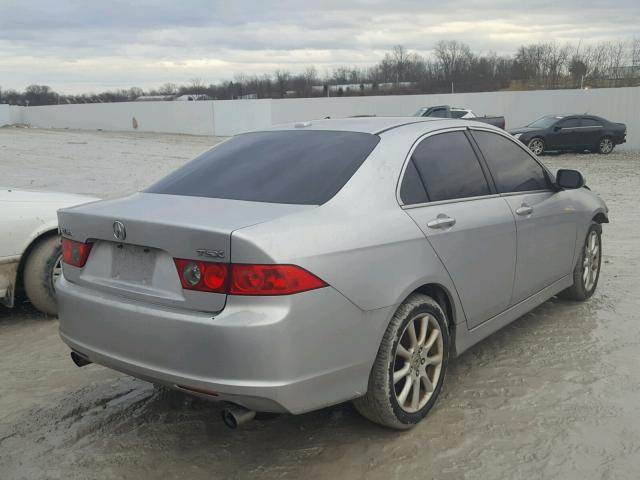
(5, 115)
(228, 117)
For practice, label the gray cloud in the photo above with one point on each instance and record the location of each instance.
(76, 45)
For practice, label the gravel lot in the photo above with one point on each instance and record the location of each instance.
(554, 395)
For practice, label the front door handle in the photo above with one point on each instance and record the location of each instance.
(524, 210)
(442, 221)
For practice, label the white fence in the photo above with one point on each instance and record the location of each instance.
(228, 117)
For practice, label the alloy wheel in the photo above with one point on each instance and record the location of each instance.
(606, 145)
(417, 362)
(591, 262)
(56, 271)
(536, 146)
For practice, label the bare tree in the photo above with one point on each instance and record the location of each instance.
(452, 56)
(197, 86)
(282, 81)
(168, 89)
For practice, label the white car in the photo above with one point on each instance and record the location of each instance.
(30, 245)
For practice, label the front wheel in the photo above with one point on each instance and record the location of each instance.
(587, 270)
(409, 369)
(605, 145)
(536, 145)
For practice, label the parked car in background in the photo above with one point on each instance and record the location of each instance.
(298, 267)
(30, 253)
(445, 111)
(571, 133)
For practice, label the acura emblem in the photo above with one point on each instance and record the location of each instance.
(119, 231)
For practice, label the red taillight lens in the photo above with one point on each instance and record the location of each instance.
(271, 280)
(202, 276)
(75, 253)
(243, 279)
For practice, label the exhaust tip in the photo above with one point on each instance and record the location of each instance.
(234, 416)
(80, 360)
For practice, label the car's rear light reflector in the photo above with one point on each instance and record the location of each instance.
(202, 276)
(271, 280)
(75, 253)
(245, 279)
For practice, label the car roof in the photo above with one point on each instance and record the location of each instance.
(373, 125)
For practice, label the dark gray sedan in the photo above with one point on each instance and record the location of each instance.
(571, 133)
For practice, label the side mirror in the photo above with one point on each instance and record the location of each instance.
(569, 179)
(557, 129)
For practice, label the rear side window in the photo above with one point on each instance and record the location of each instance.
(412, 190)
(449, 167)
(512, 168)
(458, 113)
(298, 167)
(569, 123)
(591, 122)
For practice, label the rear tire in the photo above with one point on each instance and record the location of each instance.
(417, 360)
(41, 269)
(587, 270)
(536, 145)
(605, 145)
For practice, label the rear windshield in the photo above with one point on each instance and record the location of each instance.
(299, 167)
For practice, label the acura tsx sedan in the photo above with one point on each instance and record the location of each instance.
(293, 268)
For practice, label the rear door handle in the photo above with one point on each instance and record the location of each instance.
(442, 221)
(524, 210)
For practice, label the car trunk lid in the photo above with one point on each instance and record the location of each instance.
(135, 240)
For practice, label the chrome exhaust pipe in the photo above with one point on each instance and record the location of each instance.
(80, 360)
(235, 416)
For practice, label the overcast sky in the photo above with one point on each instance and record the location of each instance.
(82, 46)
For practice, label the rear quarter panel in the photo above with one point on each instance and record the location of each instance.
(361, 242)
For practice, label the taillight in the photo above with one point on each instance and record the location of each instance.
(245, 279)
(271, 280)
(75, 253)
(202, 276)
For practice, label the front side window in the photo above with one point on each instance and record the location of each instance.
(305, 167)
(513, 169)
(449, 167)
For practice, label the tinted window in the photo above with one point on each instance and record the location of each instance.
(458, 113)
(591, 122)
(449, 167)
(438, 112)
(412, 190)
(569, 123)
(512, 168)
(544, 122)
(301, 167)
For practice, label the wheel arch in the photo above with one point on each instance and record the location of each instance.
(600, 217)
(444, 298)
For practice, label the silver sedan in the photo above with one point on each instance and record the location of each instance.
(302, 266)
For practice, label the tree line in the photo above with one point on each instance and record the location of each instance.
(452, 67)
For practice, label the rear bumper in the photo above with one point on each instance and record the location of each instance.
(8, 272)
(280, 354)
